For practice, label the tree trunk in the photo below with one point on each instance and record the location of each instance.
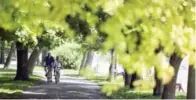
(9, 58)
(38, 60)
(2, 59)
(112, 65)
(133, 78)
(191, 83)
(22, 57)
(89, 59)
(84, 58)
(127, 79)
(44, 54)
(158, 90)
(170, 88)
(33, 58)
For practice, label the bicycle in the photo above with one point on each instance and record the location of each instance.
(48, 75)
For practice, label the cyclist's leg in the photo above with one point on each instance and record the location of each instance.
(58, 75)
(54, 71)
(55, 76)
(46, 70)
(50, 74)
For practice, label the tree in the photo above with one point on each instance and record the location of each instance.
(22, 56)
(32, 59)
(89, 59)
(51, 37)
(16, 26)
(127, 79)
(158, 89)
(130, 79)
(191, 83)
(82, 65)
(140, 31)
(112, 65)
(19, 25)
(142, 37)
(170, 88)
(139, 36)
(9, 57)
(84, 29)
(2, 59)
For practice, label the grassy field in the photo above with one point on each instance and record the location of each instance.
(38, 68)
(70, 72)
(126, 93)
(13, 89)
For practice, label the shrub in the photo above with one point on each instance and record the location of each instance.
(69, 54)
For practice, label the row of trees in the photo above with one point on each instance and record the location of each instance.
(134, 30)
(139, 42)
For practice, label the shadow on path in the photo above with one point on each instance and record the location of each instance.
(68, 88)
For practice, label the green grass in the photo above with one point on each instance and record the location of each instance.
(101, 80)
(13, 89)
(70, 72)
(38, 68)
(126, 93)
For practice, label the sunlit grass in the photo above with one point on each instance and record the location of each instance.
(111, 89)
(101, 80)
(126, 93)
(38, 68)
(70, 72)
(13, 89)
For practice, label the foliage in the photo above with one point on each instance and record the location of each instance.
(69, 54)
(125, 93)
(27, 21)
(113, 86)
(13, 89)
(51, 38)
(88, 73)
(135, 28)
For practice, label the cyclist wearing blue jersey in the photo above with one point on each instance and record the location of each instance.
(48, 66)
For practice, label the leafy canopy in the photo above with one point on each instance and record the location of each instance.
(134, 28)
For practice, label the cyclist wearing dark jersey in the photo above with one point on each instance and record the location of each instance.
(48, 65)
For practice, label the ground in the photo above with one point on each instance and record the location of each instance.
(74, 87)
(13, 89)
(70, 87)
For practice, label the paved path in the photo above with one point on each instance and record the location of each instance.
(68, 88)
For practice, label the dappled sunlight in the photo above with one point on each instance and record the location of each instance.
(113, 86)
(126, 93)
(123, 49)
(77, 81)
(69, 87)
(14, 88)
(33, 93)
(10, 91)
